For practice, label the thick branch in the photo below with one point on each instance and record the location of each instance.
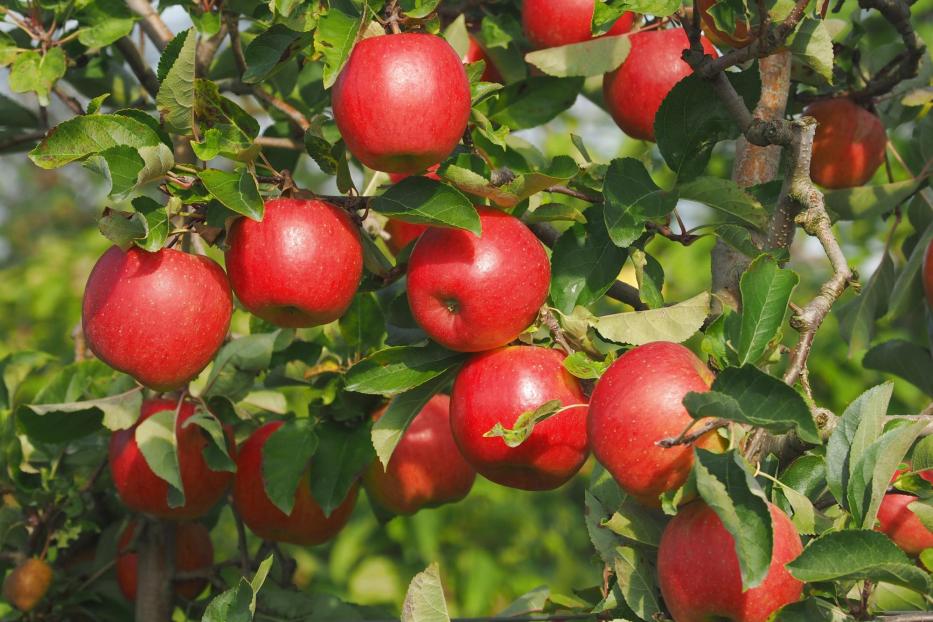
(138, 66)
(151, 23)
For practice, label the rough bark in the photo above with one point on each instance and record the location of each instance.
(154, 595)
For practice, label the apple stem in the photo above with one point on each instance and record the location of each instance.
(687, 437)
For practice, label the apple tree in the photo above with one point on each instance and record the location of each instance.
(361, 252)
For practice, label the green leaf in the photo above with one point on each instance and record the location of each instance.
(34, 72)
(812, 609)
(363, 325)
(857, 318)
(725, 196)
(238, 362)
(418, 8)
(691, 120)
(524, 425)
(589, 58)
(631, 200)
(749, 395)
(265, 52)
(582, 366)
(585, 263)
(285, 458)
(120, 411)
(147, 227)
(341, 457)
(551, 212)
(216, 454)
(812, 45)
(122, 164)
(870, 475)
(738, 238)
(236, 191)
(649, 274)
(396, 370)
(424, 601)
(238, 604)
(531, 102)
(390, 427)
(636, 523)
(608, 11)
(864, 419)
(457, 35)
(905, 359)
(729, 488)
(88, 135)
(923, 509)
(907, 289)
(635, 577)
(158, 445)
(104, 21)
(922, 457)
(676, 323)
(334, 39)
(766, 290)
(854, 555)
(869, 201)
(175, 99)
(425, 201)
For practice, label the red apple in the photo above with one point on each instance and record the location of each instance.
(27, 584)
(698, 569)
(193, 552)
(306, 525)
(476, 52)
(899, 523)
(928, 274)
(849, 144)
(159, 317)
(143, 491)
(552, 23)
(426, 468)
(300, 266)
(739, 38)
(639, 401)
(473, 293)
(497, 387)
(634, 91)
(402, 102)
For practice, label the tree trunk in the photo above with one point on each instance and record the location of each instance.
(753, 165)
(155, 570)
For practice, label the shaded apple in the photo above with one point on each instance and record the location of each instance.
(698, 569)
(193, 552)
(499, 386)
(159, 317)
(639, 401)
(849, 144)
(27, 584)
(899, 523)
(306, 525)
(300, 266)
(552, 23)
(928, 274)
(634, 91)
(472, 293)
(402, 102)
(426, 469)
(143, 491)
(476, 52)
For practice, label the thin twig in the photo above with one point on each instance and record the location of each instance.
(687, 437)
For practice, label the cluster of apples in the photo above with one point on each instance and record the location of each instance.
(162, 316)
